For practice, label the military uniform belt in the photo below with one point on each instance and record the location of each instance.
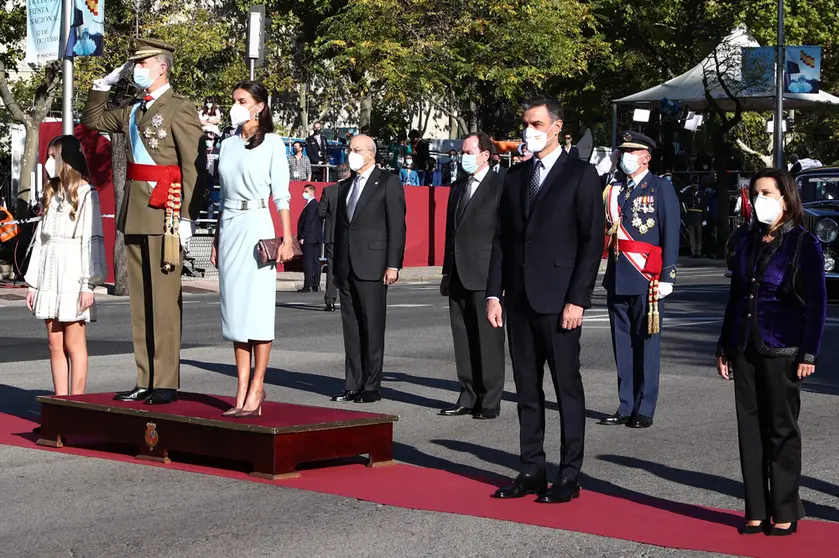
(653, 263)
(164, 176)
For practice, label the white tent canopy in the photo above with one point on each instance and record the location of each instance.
(689, 89)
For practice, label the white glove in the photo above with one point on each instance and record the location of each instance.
(186, 229)
(664, 290)
(111, 79)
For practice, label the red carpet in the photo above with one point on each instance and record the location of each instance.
(643, 519)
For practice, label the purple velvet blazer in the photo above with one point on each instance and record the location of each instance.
(763, 297)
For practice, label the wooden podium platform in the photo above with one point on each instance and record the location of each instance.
(274, 444)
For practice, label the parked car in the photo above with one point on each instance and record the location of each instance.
(819, 190)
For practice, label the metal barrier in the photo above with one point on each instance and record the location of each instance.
(197, 260)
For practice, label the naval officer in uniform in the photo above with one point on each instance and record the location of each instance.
(642, 247)
(164, 185)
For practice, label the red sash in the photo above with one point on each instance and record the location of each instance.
(164, 176)
(653, 264)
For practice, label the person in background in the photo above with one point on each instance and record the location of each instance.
(569, 147)
(471, 219)
(310, 236)
(316, 151)
(770, 342)
(709, 225)
(516, 159)
(525, 152)
(794, 165)
(67, 262)
(327, 207)
(253, 168)
(298, 164)
(497, 167)
(369, 252)
(407, 175)
(212, 144)
(450, 169)
(694, 199)
(210, 113)
(419, 149)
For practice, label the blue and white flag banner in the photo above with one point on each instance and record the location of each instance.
(43, 30)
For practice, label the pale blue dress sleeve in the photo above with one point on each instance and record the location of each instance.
(280, 175)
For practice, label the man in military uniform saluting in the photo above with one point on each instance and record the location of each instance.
(164, 180)
(643, 220)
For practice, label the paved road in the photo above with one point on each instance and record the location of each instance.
(55, 505)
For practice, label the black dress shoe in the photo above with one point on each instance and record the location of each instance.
(162, 397)
(457, 411)
(752, 529)
(305, 290)
(615, 420)
(523, 485)
(369, 397)
(330, 307)
(640, 422)
(348, 395)
(561, 492)
(486, 414)
(136, 394)
(776, 532)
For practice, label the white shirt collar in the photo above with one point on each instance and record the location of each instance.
(637, 179)
(365, 176)
(549, 160)
(481, 174)
(155, 95)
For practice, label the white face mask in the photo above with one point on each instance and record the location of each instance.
(355, 160)
(49, 167)
(469, 163)
(142, 77)
(306, 196)
(535, 140)
(767, 209)
(629, 163)
(239, 114)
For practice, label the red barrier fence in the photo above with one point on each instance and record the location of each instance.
(425, 218)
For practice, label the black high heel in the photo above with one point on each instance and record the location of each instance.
(747, 529)
(778, 532)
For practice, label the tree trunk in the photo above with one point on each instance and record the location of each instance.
(365, 115)
(28, 163)
(473, 117)
(303, 103)
(119, 162)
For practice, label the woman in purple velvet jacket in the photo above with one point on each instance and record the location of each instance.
(769, 343)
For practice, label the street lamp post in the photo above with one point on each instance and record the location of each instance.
(779, 91)
(67, 70)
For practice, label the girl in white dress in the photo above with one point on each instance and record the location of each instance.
(253, 168)
(67, 262)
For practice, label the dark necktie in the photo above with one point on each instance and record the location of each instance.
(352, 202)
(465, 196)
(535, 180)
(146, 100)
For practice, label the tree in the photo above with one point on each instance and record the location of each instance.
(26, 112)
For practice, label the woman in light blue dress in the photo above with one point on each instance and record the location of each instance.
(253, 168)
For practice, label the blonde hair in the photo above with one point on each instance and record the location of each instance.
(70, 172)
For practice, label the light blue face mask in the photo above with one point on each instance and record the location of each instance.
(469, 163)
(142, 77)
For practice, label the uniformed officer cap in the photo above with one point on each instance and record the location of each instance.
(146, 48)
(635, 140)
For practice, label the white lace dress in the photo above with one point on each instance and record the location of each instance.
(68, 258)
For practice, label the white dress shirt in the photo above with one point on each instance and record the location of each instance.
(548, 162)
(475, 181)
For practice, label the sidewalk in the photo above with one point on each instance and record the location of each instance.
(287, 281)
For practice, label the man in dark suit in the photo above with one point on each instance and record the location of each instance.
(326, 210)
(569, 147)
(310, 236)
(369, 247)
(316, 150)
(471, 220)
(545, 258)
(497, 167)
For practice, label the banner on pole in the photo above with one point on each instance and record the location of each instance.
(43, 30)
(87, 29)
(803, 69)
(759, 70)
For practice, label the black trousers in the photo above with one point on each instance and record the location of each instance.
(534, 340)
(767, 398)
(331, 290)
(311, 265)
(478, 348)
(363, 313)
